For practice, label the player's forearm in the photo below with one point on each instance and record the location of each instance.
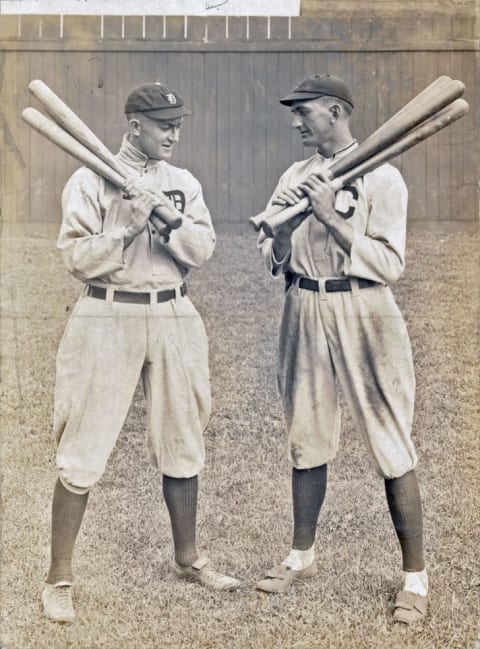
(281, 246)
(340, 230)
(92, 256)
(192, 244)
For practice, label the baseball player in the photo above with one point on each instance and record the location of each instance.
(134, 319)
(341, 326)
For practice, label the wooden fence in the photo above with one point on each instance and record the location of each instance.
(231, 72)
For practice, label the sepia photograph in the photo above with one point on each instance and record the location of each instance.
(239, 324)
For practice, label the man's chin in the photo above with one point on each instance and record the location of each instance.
(163, 155)
(308, 140)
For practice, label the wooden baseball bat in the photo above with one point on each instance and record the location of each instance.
(437, 95)
(69, 121)
(421, 107)
(55, 133)
(440, 82)
(429, 127)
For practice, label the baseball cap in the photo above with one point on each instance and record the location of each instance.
(157, 101)
(319, 85)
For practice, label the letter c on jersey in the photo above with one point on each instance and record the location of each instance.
(344, 200)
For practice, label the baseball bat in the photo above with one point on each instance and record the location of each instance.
(429, 127)
(440, 82)
(56, 134)
(69, 121)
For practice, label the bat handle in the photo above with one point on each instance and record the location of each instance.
(256, 221)
(272, 224)
(171, 222)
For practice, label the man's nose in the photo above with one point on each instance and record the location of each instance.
(296, 121)
(174, 135)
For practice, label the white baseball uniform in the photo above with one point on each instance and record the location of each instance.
(109, 343)
(355, 338)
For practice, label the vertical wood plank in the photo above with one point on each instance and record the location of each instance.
(413, 164)
(223, 134)
(202, 160)
(296, 150)
(457, 133)
(261, 192)
(285, 130)
(42, 153)
(247, 147)
(470, 126)
(114, 120)
(209, 157)
(179, 77)
(276, 120)
(432, 188)
(444, 147)
(235, 142)
(15, 151)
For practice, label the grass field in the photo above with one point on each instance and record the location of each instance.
(126, 595)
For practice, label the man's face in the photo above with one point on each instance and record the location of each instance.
(157, 138)
(312, 119)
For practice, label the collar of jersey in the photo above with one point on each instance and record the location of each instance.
(340, 153)
(134, 157)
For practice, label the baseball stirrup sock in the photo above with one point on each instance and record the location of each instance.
(181, 498)
(67, 514)
(404, 502)
(308, 491)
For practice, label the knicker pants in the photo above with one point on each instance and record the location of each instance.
(105, 349)
(358, 339)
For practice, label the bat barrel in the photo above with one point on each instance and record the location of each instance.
(434, 98)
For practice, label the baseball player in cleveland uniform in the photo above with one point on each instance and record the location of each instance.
(341, 325)
(134, 319)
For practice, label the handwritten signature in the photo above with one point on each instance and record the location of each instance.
(215, 5)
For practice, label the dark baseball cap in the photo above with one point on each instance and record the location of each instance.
(319, 85)
(157, 101)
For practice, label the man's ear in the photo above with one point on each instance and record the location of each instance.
(134, 124)
(335, 111)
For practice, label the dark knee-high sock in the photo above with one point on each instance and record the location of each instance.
(67, 514)
(308, 491)
(404, 502)
(181, 498)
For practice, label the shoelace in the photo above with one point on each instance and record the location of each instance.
(63, 598)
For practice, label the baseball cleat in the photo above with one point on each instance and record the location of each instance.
(279, 578)
(57, 602)
(200, 573)
(410, 607)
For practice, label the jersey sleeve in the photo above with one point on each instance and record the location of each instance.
(87, 251)
(379, 253)
(265, 243)
(192, 244)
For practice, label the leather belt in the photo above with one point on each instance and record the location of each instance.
(134, 297)
(334, 285)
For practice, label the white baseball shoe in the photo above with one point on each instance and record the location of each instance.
(57, 602)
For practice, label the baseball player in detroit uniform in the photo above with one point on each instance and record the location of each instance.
(341, 326)
(134, 319)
